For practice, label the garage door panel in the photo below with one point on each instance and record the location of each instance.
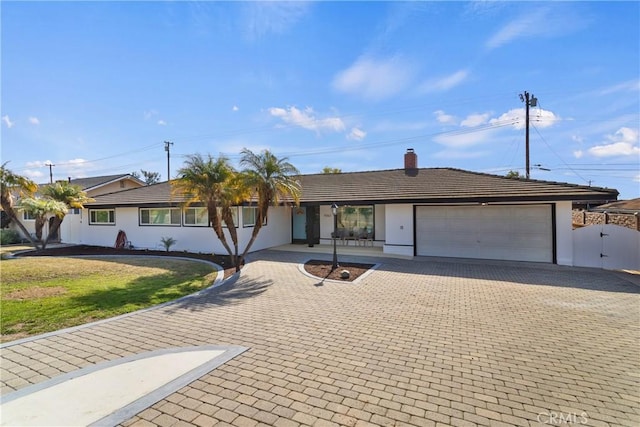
(490, 232)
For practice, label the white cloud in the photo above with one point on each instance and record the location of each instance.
(235, 108)
(543, 22)
(539, 117)
(34, 121)
(264, 17)
(374, 78)
(162, 123)
(474, 120)
(444, 83)
(38, 163)
(628, 86)
(34, 175)
(444, 118)
(578, 154)
(356, 134)
(636, 178)
(463, 139)
(622, 143)
(7, 121)
(149, 114)
(307, 119)
(75, 168)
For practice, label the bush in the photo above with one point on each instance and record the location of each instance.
(9, 237)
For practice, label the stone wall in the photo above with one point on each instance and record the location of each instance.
(582, 218)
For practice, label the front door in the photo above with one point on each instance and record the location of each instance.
(313, 225)
(306, 224)
(299, 234)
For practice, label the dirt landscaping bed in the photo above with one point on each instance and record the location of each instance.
(323, 270)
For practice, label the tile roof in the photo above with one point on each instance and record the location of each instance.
(96, 181)
(620, 206)
(427, 185)
(439, 185)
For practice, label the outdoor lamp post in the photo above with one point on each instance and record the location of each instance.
(334, 211)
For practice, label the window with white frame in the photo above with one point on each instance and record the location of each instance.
(249, 216)
(102, 216)
(234, 215)
(196, 216)
(28, 216)
(160, 216)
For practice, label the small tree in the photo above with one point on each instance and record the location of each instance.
(327, 170)
(12, 185)
(40, 209)
(167, 242)
(70, 195)
(205, 180)
(272, 180)
(513, 174)
(147, 176)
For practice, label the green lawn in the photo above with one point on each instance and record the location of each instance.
(43, 294)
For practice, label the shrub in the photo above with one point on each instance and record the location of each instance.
(9, 237)
(168, 242)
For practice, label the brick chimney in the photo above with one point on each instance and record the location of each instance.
(410, 159)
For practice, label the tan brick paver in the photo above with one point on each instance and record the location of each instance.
(421, 342)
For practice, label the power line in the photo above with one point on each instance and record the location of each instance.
(558, 156)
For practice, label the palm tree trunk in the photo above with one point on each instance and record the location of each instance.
(57, 222)
(228, 220)
(256, 229)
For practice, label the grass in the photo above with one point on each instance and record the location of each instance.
(43, 294)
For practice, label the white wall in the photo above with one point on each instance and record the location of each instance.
(564, 239)
(193, 239)
(399, 229)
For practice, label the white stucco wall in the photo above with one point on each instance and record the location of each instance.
(564, 238)
(193, 239)
(399, 229)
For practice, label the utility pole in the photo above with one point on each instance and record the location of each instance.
(529, 100)
(50, 172)
(166, 148)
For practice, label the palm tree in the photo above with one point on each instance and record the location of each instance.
(271, 180)
(71, 195)
(41, 209)
(204, 180)
(12, 185)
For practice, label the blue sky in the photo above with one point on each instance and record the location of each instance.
(95, 88)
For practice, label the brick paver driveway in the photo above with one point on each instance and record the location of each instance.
(420, 342)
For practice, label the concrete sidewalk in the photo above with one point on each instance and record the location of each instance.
(418, 342)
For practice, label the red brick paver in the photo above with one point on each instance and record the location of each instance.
(423, 342)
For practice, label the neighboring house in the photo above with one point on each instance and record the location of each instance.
(430, 211)
(93, 186)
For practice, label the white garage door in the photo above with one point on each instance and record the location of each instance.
(516, 233)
